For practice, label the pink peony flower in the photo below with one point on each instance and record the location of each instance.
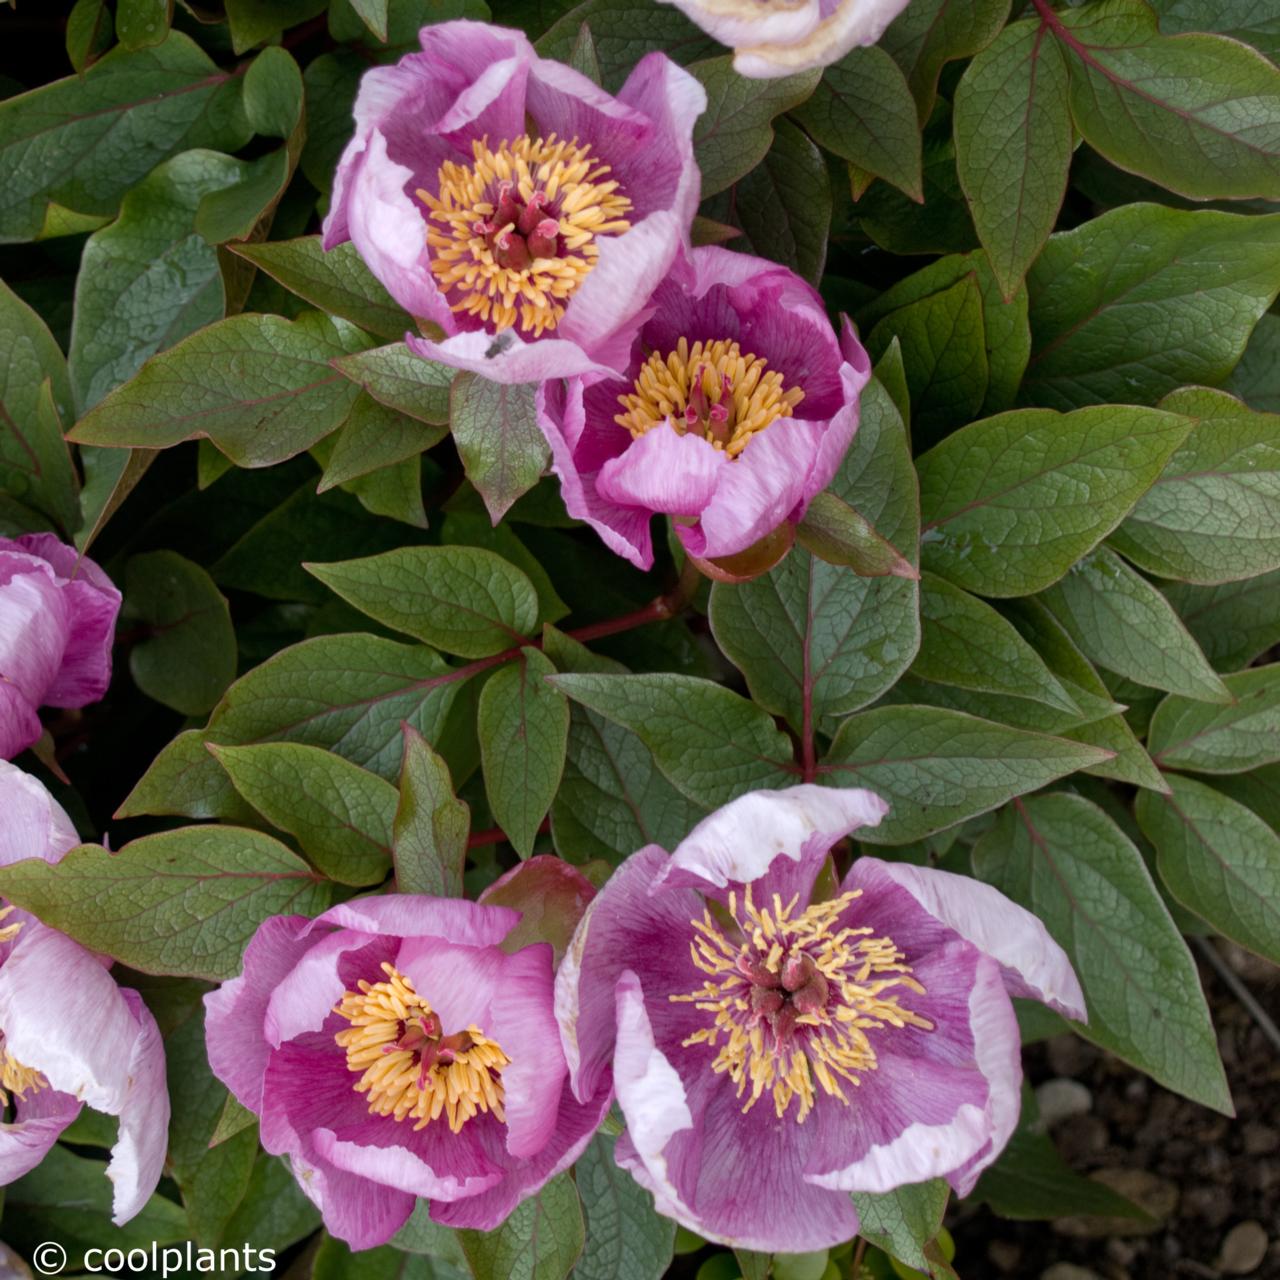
(774, 1047)
(57, 619)
(738, 405)
(393, 1049)
(780, 37)
(68, 1035)
(512, 203)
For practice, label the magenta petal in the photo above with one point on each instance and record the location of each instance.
(625, 927)
(665, 471)
(35, 626)
(40, 1119)
(624, 530)
(1034, 964)
(35, 825)
(235, 1012)
(305, 995)
(19, 724)
(85, 672)
(928, 1107)
(359, 1211)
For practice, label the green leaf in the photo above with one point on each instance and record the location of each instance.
(496, 431)
(523, 725)
(275, 1213)
(783, 206)
(187, 654)
(463, 600)
(1230, 739)
(1064, 859)
(735, 132)
(812, 630)
(66, 1198)
(1234, 623)
(837, 534)
(903, 1221)
(401, 380)
(1144, 299)
(89, 32)
(1012, 502)
(268, 558)
(232, 1119)
(928, 34)
(143, 23)
(1124, 624)
(373, 438)
(1218, 858)
(963, 347)
(35, 398)
(623, 31)
(148, 279)
(1013, 146)
(253, 21)
(337, 282)
(334, 1260)
(340, 814)
(1030, 1181)
(1246, 20)
(1198, 114)
(583, 57)
(1214, 513)
(625, 1238)
(937, 767)
(541, 1240)
(273, 93)
(260, 387)
(965, 642)
(863, 111)
(182, 902)
(1256, 379)
(613, 799)
(84, 141)
(711, 743)
(348, 694)
(429, 834)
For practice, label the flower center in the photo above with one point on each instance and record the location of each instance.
(513, 235)
(711, 389)
(15, 1078)
(408, 1066)
(794, 1000)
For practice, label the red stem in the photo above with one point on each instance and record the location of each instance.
(496, 835)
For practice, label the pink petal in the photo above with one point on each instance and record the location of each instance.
(626, 926)
(937, 1099)
(137, 1159)
(408, 915)
(1033, 963)
(624, 530)
(35, 825)
(743, 841)
(25, 1141)
(508, 358)
(235, 1013)
(749, 23)
(758, 491)
(665, 471)
(844, 25)
(19, 724)
(35, 626)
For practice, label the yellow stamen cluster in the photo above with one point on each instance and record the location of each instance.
(15, 1078)
(463, 259)
(791, 1048)
(712, 389)
(397, 1082)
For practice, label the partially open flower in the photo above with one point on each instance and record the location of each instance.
(393, 1049)
(57, 620)
(68, 1035)
(737, 407)
(509, 201)
(773, 1048)
(780, 37)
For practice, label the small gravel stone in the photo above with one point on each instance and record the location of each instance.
(1259, 1139)
(1243, 1249)
(1068, 1271)
(1061, 1100)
